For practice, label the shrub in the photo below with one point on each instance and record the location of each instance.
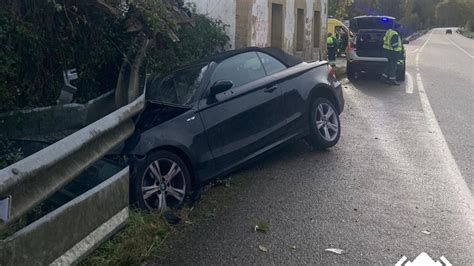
(40, 39)
(8, 153)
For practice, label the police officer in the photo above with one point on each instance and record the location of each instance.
(338, 43)
(332, 49)
(392, 45)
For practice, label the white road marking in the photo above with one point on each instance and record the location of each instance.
(459, 47)
(421, 50)
(409, 84)
(433, 126)
(426, 42)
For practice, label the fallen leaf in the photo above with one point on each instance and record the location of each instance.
(337, 251)
(262, 227)
(426, 232)
(263, 248)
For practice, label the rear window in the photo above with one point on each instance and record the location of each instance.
(381, 23)
(271, 64)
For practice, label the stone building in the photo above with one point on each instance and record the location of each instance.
(297, 26)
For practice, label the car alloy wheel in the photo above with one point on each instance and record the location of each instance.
(163, 184)
(325, 126)
(327, 122)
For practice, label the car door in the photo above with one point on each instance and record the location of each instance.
(240, 122)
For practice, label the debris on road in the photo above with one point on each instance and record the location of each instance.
(426, 232)
(263, 248)
(171, 218)
(293, 247)
(262, 227)
(337, 251)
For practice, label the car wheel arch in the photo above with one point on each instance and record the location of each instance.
(181, 154)
(323, 90)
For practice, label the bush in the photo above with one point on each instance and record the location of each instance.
(8, 153)
(40, 39)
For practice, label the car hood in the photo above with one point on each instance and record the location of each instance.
(372, 22)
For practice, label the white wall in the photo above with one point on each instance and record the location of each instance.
(259, 27)
(260, 20)
(223, 10)
(290, 24)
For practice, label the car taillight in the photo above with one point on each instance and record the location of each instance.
(332, 71)
(351, 46)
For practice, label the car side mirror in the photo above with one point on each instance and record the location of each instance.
(406, 41)
(220, 86)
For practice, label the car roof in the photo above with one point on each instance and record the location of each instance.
(282, 56)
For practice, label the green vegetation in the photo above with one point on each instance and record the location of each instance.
(413, 14)
(262, 226)
(8, 153)
(141, 237)
(40, 39)
(469, 34)
(145, 235)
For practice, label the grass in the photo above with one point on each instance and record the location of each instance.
(469, 34)
(145, 235)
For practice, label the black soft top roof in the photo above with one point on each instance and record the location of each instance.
(278, 53)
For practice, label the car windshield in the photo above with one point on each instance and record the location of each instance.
(178, 87)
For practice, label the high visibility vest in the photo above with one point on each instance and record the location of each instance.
(330, 42)
(387, 41)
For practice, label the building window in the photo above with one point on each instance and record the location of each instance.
(277, 26)
(316, 29)
(299, 29)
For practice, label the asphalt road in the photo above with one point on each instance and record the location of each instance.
(396, 185)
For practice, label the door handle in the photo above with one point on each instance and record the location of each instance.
(271, 89)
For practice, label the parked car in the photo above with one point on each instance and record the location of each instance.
(365, 52)
(209, 118)
(449, 31)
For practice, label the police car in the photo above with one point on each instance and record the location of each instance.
(365, 53)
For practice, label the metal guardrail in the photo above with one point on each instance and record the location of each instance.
(30, 181)
(42, 121)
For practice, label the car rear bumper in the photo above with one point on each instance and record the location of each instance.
(370, 66)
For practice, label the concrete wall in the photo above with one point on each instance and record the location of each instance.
(224, 10)
(250, 22)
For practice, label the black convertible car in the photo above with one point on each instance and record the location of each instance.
(207, 119)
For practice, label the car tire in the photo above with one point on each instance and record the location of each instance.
(401, 73)
(351, 72)
(160, 181)
(324, 124)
